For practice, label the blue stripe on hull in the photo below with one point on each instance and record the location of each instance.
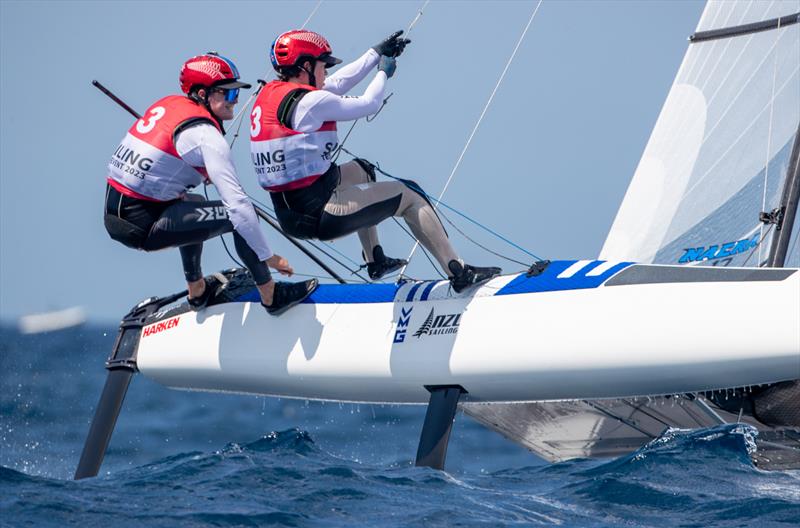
(427, 290)
(414, 288)
(549, 281)
(341, 294)
(380, 293)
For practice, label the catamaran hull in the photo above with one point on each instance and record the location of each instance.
(580, 330)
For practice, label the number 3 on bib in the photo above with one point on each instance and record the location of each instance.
(255, 125)
(144, 126)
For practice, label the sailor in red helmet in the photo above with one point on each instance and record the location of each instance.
(174, 147)
(293, 140)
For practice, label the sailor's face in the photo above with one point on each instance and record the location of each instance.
(219, 106)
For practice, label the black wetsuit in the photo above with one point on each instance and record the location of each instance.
(185, 224)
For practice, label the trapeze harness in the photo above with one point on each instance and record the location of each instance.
(147, 205)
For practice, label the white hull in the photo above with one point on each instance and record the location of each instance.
(570, 342)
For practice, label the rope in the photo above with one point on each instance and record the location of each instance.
(331, 247)
(483, 113)
(752, 251)
(369, 119)
(310, 16)
(424, 252)
(454, 226)
(438, 201)
(419, 14)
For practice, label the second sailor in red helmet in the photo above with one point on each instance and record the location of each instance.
(176, 145)
(294, 138)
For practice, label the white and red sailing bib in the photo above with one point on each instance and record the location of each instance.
(146, 164)
(285, 159)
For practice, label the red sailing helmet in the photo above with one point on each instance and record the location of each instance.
(295, 46)
(210, 69)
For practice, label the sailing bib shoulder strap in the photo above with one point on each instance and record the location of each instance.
(285, 159)
(146, 162)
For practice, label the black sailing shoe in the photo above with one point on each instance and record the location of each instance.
(382, 264)
(465, 275)
(287, 294)
(213, 285)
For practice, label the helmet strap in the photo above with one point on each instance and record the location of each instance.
(195, 96)
(312, 79)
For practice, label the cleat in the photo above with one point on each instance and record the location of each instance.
(382, 264)
(465, 275)
(288, 294)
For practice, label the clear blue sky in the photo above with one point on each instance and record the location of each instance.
(548, 167)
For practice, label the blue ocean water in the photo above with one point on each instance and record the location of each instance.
(196, 459)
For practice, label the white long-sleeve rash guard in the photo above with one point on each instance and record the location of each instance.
(204, 145)
(316, 107)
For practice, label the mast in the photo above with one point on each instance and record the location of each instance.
(787, 208)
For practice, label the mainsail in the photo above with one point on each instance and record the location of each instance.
(716, 185)
(719, 155)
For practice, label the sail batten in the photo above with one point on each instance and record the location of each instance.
(745, 29)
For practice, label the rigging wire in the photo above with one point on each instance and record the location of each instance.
(424, 251)
(477, 124)
(371, 118)
(239, 117)
(473, 221)
(332, 248)
(769, 132)
(323, 277)
(464, 216)
(311, 15)
(752, 251)
(317, 247)
(416, 18)
(462, 233)
(368, 119)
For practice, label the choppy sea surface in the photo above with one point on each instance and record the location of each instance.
(196, 459)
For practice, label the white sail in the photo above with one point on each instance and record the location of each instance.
(719, 153)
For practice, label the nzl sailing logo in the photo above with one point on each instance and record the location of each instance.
(434, 324)
(728, 249)
(439, 324)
